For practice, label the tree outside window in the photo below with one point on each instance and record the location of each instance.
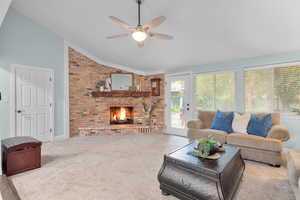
(273, 89)
(215, 91)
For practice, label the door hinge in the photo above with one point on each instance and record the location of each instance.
(51, 130)
(50, 105)
(50, 79)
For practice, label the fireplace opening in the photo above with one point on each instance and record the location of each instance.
(121, 115)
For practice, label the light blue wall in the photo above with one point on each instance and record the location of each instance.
(4, 108)
(239, 66)
(294, 127)
(25, 42)
(242, 63)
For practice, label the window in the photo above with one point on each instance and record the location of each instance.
(177, 107)
(273, 89)
(215, 91)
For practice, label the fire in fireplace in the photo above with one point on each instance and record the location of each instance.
(121, 115)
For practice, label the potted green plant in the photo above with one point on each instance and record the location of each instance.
(207, 146)
(132, 89)
(101, 85)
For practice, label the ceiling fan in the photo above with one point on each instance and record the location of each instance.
(140, 32)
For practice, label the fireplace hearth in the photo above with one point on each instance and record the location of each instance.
(121, 115)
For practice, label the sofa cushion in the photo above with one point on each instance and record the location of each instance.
(222, 122)
(275, 117)
(240, 122)
(195, 124)
(260, 126)
(200, 133)
(206, 117)
(254, 141)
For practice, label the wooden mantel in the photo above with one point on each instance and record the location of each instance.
(121, 94)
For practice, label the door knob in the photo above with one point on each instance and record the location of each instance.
(19, 111)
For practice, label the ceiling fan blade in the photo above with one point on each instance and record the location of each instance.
(156, 22)
(120, 22)
(118, 36)
(161, 36)
(140, 44)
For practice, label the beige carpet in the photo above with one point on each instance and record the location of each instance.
(125, 168)
(7, 189)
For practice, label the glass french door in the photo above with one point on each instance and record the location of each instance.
(178, 104)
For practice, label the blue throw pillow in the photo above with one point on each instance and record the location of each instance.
(260, 126)
(222, 122)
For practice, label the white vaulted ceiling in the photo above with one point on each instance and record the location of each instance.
(4, 5)
(205, 31)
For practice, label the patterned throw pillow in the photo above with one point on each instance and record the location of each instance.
(240, 122)
(222, 122)
(260, 126)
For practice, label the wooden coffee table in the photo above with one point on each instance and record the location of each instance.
(190, 178)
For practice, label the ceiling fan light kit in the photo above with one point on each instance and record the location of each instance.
(139, 36)
(140, 33)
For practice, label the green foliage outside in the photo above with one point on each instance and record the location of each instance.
(175, 110)
(266, 90)
(287, 89)
(176, 101)
(276, 89)
(215, 91)
(258, 90)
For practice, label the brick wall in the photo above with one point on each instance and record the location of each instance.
(86, 111)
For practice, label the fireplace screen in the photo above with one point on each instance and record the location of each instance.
(121, 115)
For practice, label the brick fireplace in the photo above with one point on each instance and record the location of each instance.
(94, 115)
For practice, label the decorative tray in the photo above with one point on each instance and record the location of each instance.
(214, 156)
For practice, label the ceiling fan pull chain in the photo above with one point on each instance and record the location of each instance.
(139, 13)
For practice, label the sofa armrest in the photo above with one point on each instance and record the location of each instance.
(279, 132)
(197, 124)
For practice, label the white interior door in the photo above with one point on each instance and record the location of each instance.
(34, 102)
(178, 104)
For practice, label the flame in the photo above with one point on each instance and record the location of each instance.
(122, 114)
